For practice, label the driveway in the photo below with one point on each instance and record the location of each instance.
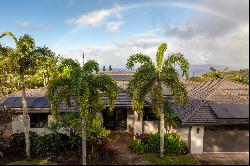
(122, 154)
(222, 158)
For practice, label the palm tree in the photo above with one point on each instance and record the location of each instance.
(23, 60)
(86, 88)
(149, 79)
(217, 73)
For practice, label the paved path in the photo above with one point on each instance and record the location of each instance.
(123, 155)
(222, 159)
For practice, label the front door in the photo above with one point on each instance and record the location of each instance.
(116, 120)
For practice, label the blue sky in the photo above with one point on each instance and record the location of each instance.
(109, 31)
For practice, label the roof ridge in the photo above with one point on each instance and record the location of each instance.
(211, 93)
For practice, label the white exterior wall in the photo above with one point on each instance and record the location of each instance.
(184, 133)
(99, 113)
(17, 124)
(150, 127)
(196, 146)
(130, 119)
(18, 127)
(137, 125)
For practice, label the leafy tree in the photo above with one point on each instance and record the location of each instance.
(86, 86)
(110, 68)
(47, 68)
(24, 62)
(9, 81)
(149, 78)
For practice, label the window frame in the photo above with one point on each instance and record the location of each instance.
(41, 120)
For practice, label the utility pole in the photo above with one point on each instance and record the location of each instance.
(82, 58)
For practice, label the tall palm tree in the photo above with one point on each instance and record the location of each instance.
(149, 79)
(22, 62)
(86, 88)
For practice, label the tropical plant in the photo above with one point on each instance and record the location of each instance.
(151, 143)
(149, 78)
(216, 73)
(97, 135)
(242, 78)
(23, 59)
(86, 87)
(171, 118)
(137, 146)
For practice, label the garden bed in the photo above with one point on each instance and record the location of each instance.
(65, 158)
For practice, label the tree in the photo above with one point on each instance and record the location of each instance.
(47, 61)
(149, 79)
(24, 62)
(86, 86)
(110, 68)
(9, 81)
(216, 73)
(104, 69)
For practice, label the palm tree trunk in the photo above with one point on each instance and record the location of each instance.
(137, 123)
(162, 134)
(84, 154)
(25, 118)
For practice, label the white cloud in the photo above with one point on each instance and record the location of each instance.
(94, 18)
(204, 38)
(114, 26)
(230, 50)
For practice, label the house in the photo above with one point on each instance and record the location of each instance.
(215, 119)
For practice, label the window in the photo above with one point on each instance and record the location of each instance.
(38, 120)
(148, 115)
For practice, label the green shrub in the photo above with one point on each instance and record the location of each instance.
(173, 144)
(33, 137)
(3, 145)
(137, 146)
(75, 142)
(17, 140)
(51, 144)
(153, 143)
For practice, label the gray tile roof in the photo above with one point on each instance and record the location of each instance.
(214, 91)
(122, 100)
(200, 95)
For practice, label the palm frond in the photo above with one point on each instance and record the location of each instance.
(144, 73)
(160, 55)
(138, 58)
(177, 59)
(10, 35)
(157, 99)
(108, 87)
(178, 91)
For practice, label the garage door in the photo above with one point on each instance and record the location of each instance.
(226, 139)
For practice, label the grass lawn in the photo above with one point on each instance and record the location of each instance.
(170, 160)
(32, 162)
